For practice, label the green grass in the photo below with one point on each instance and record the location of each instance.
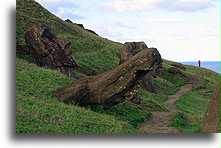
(175, 79)
(193, 105)
(93, 54)
(179, 120)
(132, 113)
(168, 83)
(152, 101)
(210, 78)
(38, 111)
(126, 111)
(167, 63)
(165, 87)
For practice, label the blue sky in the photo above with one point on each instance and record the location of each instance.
(182, 30)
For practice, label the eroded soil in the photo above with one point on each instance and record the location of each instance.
(159, 121)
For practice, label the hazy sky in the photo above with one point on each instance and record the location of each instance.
(182, 30)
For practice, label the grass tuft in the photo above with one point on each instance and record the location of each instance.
(38, 111)
(126, 111)
(179, 120)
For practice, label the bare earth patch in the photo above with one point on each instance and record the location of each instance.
(159, 121)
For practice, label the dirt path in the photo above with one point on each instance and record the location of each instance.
(159, 121)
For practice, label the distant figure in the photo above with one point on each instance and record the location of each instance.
(199, 63)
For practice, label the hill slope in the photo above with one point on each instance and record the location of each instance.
(89, 50)
(37, 111)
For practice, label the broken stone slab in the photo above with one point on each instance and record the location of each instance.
(49, 51)
(114, 86)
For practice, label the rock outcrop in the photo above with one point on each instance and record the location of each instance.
(49, 51)
(91, 31)
(129, 50)
(179, 66)
(211, 120)
(174, 70)
(20, 46)
(82, 26)
(148, 82)
(114, 86)
(69, 21)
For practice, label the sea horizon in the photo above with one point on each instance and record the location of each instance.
(211, 65)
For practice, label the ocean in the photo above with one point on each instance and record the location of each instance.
(212, 65)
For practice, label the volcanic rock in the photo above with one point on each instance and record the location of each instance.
(69, 21)
(179, 66)
(211, 120)
(136, 100)
(80, 25)
(91, 31)
(114, 86)
(132, 48)
(148, 82)
(174, 70)
(20, 46)
(49, 51)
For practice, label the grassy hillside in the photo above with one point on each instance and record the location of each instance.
(89, 50)
(193, 104)
(38, 111)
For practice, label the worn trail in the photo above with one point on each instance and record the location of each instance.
(159, 121)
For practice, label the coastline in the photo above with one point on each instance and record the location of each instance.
(211, 65)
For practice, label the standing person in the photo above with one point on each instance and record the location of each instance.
(199, 63)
